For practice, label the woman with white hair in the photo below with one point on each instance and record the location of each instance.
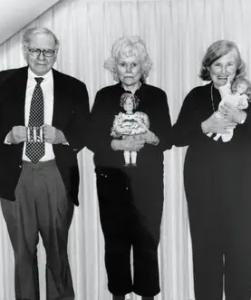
(130, 198)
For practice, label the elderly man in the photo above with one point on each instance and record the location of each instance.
(43, 115)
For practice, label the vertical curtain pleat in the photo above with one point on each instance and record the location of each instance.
(177, 34)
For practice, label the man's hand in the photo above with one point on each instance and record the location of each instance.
(17, 135)
(53, 135)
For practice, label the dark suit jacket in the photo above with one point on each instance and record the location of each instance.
(70, 114)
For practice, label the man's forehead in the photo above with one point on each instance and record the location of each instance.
(42, 38)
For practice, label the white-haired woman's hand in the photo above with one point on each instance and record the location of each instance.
(216, 123)
(127, 144)
(151, 138)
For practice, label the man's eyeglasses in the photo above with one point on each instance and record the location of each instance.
(46, 52)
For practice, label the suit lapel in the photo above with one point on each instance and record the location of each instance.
(16, 94)
(61, 100)
(17, 90)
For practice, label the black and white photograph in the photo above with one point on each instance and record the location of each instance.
(125, 150)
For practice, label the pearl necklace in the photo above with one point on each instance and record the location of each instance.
(212, 98)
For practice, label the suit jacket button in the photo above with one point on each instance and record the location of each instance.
(20, 166)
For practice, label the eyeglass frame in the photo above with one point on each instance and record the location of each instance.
(40, 51)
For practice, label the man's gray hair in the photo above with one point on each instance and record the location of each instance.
(30, 32)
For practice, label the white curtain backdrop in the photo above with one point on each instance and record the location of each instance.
(177, 33)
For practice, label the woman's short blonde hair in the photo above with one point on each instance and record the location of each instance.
(129, 46)
(216, 51)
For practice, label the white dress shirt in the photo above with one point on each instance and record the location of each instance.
(48, 93)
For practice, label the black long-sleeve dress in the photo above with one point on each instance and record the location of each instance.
(130, 199)
(217, 178)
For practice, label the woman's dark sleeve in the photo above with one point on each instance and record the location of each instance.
(246, 126)
(99, 126)
(162, 122)
(187, 128)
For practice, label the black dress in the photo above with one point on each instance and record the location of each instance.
(217, 178)
(130, 199)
